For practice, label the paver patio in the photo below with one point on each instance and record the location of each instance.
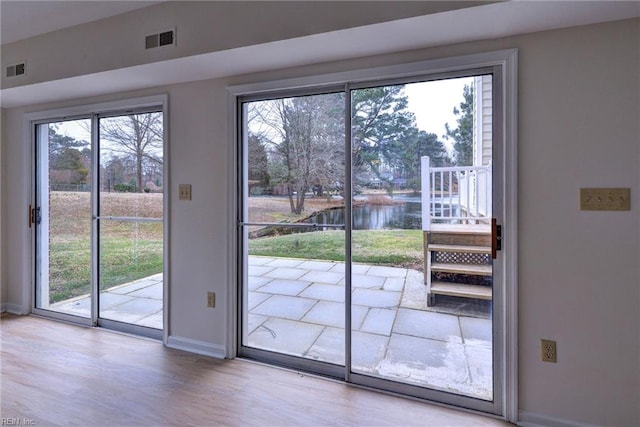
(296, 307)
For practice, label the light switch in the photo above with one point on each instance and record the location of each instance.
(184, 192)
(605, 199)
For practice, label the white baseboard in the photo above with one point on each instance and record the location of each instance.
(11, 308)
(198, 347)
(534, 419)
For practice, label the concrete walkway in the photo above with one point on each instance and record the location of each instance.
(296, 307)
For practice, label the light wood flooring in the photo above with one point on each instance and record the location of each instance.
(59, 374)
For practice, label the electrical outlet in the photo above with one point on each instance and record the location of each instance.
(184, 192)
(548, 351)
(605, 199)
(211, 299)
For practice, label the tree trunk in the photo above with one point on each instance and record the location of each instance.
(139, 188)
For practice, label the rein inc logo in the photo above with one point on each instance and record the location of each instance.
(16, 421)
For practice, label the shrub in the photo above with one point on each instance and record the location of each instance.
(124, 188)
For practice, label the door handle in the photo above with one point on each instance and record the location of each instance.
(35, 216)
(496, 238)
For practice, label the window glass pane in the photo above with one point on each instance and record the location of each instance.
(293, 293)
(422, 273)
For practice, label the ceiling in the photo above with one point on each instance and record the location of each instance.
(475, 23)
(47, 16)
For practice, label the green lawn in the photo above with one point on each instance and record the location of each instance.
(128, 251)
(121, 261)
(398, 248)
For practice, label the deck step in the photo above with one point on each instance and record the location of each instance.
(460, 248)
(481, 229)
(462, 290)
(475, 269)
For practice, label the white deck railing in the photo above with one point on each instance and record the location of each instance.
(456, 194)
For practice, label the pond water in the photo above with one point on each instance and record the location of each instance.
(405, 214)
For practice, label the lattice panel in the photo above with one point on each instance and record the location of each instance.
(462, 278)
(461, 258)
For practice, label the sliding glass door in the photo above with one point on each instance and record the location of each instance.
(62, 216)
(293, 297)
(99, 220)
(367, 246)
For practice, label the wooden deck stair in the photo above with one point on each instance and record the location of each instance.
(458, 261)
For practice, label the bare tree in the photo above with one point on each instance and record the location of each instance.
(138, 135)
(305, 141)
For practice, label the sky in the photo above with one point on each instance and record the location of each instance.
(433, 103)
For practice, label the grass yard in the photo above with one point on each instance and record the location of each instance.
(128, 250)
(131, 251)
(397, 248)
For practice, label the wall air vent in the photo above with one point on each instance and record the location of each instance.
(16, 70)
(165, 38)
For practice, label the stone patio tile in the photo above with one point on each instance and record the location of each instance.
(259, 260)
(377, 270)
(255, 298)
(256, 282)
(285, 336)
(423, 361)
(285, 307)
(480, 364)
(424, 324)
(355, 268)
(376, 298)
(286, 273)
(132, 311)
(379, 321)
(285, 262)
(393, 284)
(320, 291)
(476, 331)
(367, 351)
(284, 287)
(325, 277)
(153, 291)
(415, 292)
(317, 265)
(153, 321)
(331, 313)
(258, 270)
(367, 281)
(329, 347)
(80, 307)
(108, 300)
(253, 321)
(133, 286)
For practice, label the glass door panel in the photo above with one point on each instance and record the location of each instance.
(130, 219)
(62, 217)
(293, 290)
(422, 272)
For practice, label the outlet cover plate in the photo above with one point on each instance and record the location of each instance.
(548, 351)
(605, 199)
(184, 192)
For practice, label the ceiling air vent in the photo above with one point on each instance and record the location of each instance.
(16, 70)
(165, 38)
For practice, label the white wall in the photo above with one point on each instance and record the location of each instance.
(202, 27)
(3, 288)
(579, 272)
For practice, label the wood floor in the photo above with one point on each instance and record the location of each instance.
(59, 374)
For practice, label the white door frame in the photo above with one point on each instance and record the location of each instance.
(68, 113)
(507, 60)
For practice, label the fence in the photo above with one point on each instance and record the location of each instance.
(456, 194)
